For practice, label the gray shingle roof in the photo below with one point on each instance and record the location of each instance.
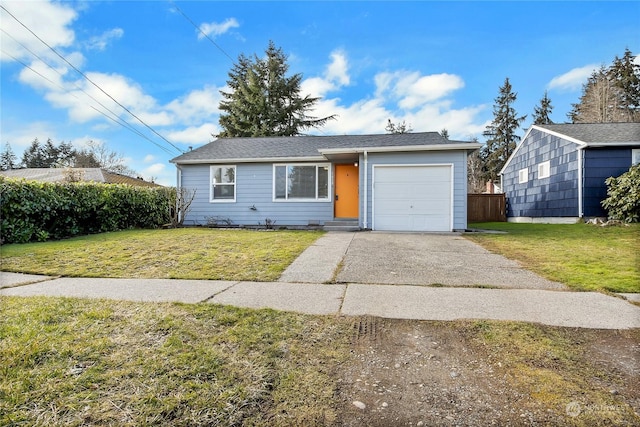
(303, 146)
(83, 174)
(604, 133)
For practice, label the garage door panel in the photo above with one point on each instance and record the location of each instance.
(412, 198)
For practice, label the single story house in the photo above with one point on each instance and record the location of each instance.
(75, 174)
(558, 172)
(402, 182)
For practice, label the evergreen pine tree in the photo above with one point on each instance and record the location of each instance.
(541, 112)
(263, 101)
(8, 159)
(611, 94)
(501, 133)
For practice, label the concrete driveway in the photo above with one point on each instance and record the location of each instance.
(431, 259)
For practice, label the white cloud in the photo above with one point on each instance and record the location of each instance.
(414, 90)
(424, 102)
(573, 79)
(149, 158)
(102, 41)
(215, 28)
(338, 70)
(79, 96)
(57, 16)
(335, 76)
(195, 135)
(197, 105)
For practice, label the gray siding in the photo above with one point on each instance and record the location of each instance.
(555, 196)
(457, 158)
(254, 187)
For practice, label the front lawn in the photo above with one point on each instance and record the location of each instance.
(186, 253)
(81, 362)
(583, 257)
(69, 362)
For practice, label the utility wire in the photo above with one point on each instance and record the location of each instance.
(114, 118)
(91, 81)
(202, 32)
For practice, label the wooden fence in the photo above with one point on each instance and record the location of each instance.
(486, 208)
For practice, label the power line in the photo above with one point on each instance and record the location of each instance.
(202, 32)
(114, 118)
(91, 81)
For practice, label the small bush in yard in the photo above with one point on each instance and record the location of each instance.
(31, 210)
(623, 202)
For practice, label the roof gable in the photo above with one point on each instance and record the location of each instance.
(311, 147)
(587, 135)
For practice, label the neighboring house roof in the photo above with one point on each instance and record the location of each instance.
(595, 134)
(314, 148)
(588, 135)
(83, 174)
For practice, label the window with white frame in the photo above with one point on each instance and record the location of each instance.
(301, 182)
(223, 183)
(523, 176)
(544, 170)
(635, 156)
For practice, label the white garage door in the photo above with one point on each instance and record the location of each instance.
(412, 198)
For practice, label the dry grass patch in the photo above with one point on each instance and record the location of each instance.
(188, 253)
(88, 362)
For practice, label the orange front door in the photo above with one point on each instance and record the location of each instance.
(346, 197)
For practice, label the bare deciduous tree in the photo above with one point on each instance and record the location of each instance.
(182, 199)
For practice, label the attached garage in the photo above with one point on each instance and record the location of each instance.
(412, 197)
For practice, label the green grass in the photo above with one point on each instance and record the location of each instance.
(75, 362)
(553, 366)
(584, 257)
(90, 362)
(187, 253)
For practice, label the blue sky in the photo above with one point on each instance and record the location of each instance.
(433, 65)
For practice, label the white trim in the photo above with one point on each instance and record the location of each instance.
(451, 189)
(580, 189)
(544, 219)
(254, 160)
(303, 200)
(635, 156)
(402, 148)
(544, 170)
(235, 183)
(523, 175)
(365, 223)
(580, 143)
(612, 144)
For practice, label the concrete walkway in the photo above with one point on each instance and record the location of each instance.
(322, 263)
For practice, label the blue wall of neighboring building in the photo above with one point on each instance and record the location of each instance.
(555, 196)
(600, 164)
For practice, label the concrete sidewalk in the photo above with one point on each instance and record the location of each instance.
(558, 308)
(307, 285)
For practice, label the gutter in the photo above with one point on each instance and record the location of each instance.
(366, 188)
(580, 183)
(253, 160)
(403, 148)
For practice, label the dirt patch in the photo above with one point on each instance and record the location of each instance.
(412, 373)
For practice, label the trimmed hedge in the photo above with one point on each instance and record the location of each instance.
(39, 211)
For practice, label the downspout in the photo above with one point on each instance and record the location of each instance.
(580, 184)
(365, 223)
